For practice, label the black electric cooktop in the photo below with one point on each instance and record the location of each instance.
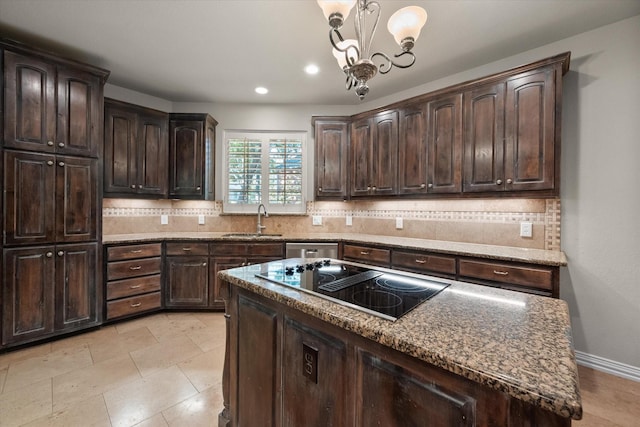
(388, 295)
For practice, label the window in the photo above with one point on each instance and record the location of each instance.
(264, 167)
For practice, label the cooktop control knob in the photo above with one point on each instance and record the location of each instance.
(299, 268)
(326, 262)
(317, 264)
(309, 266)
(288, 271)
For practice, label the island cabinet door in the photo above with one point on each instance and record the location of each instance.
(315, 387)
(257, 390)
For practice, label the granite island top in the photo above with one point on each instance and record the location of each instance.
(513, 342)
(505, 253)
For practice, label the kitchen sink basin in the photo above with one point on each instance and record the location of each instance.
(251, 235)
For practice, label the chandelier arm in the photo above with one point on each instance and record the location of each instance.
(388, 63)
(352, 47)
(370, 7)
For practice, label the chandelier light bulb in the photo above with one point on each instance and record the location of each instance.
(406, 24)
(336, 11)
(351, 52)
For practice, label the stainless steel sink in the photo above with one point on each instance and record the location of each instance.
(251, 235)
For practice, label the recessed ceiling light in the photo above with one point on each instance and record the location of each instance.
(311, 69)
(262, 90)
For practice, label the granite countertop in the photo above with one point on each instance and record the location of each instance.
(505, 253)
(517, 343)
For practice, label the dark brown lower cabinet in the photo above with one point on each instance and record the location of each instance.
(286, 368)
(48, 290)
(187, 282)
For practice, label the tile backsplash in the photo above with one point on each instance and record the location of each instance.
(485, 221)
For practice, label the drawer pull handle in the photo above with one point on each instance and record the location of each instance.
(135, 286)
(136, 305)
(501, 273)
(186, 249)
(135, 251)
(421, 261)
(364, 252)
(136, 267)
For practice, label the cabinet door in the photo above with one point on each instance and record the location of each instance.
(76, 199)
(187, 282)
(28, 294)
(314, 391)
(530, 132)
(484, 139)
(120, 168)
(153, 155)
(219, 264)
(29, 185)
(384, 152)
(360, 158)
(445, 144)
(331, 159)
(76, 303)
(186, 154)
(79, 113)
(412, 151)
(29, 103)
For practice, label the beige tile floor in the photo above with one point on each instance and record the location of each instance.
(165, 370)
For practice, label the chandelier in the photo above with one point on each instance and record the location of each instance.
(353, 55)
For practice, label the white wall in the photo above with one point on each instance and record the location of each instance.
(600, 175)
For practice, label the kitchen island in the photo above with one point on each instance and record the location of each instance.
(468, 356)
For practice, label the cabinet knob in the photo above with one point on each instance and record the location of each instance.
(60, 163)
(50, 143)
(133, 186)
(509, 181)
(423, 185)
(430, 185)
(60, 144)
(320, 189)
(49, 254)
(499, 182)
(204, 264)
(140, 186)
(368, 188)
(198, 188)
(50, 162)
(60, 253)
(374, 188)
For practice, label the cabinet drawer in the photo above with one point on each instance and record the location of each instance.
(118, 253)
(187, 248)
(130, 287)
(133, 268)
(248, 249)
(133, 305)
(421, 262)
(535, 277)
(367, 255)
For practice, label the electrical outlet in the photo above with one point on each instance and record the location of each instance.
(310, 362)
(399, 224)
(201, 219)
(526, 229)
(316, 220)
(349, 220)
(164, 219)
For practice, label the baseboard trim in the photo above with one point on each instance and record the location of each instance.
(609, 366)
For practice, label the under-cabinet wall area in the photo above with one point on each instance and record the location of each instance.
(484, 221)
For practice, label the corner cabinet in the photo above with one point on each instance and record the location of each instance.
(331, 151)
(136, 151)
(52, 112)
(191, 156)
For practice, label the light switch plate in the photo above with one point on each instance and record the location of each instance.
(316, 220)
(164, 219)
(526, 229)
(399, 223)
(349, 220)
(201, 219)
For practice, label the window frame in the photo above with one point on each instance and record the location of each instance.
(264, 136)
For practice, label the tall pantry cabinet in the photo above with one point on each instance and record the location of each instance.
(52, 121)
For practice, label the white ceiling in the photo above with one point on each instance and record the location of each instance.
(220, 50)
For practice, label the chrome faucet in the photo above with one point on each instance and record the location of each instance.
(260, 226)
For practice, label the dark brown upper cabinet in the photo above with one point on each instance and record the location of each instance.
(51, 108)
(510, 133)
(412, 150)
(331, 151)
(136, 151)
(49, 198)
(444, 142)
(374, 155)
(191, 156)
